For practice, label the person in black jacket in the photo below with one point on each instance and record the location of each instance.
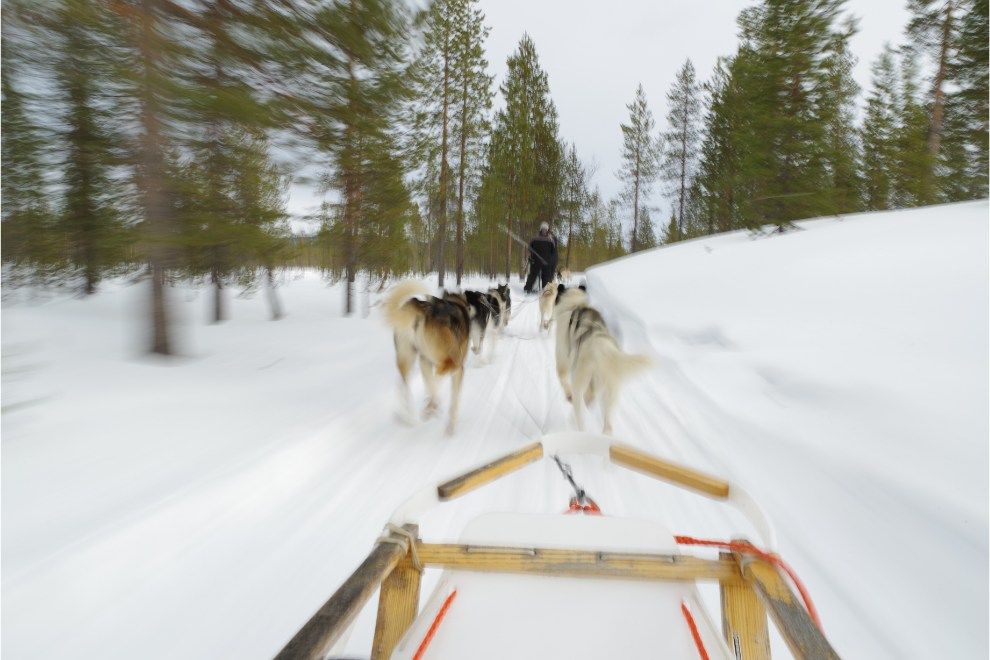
(542, 258)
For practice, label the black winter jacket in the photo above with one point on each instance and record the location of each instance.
(543, 250)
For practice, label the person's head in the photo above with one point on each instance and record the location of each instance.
(544, 227)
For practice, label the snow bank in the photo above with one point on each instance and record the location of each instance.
(841, 372)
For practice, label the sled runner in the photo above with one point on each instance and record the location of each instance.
(584, 585)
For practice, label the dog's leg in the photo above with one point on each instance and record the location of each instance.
(404, 356)
(481, 343)
(608, 404)
(581, 382)
(564, 376)
(430, 377)
(456, 379)
(476, 337)
(589, 395)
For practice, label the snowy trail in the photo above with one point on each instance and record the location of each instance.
(266, 537)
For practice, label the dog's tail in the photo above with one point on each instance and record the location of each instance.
(617, 366)
(397, 314)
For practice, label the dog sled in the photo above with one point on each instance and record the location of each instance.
(581, 585)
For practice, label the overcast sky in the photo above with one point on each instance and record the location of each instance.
(595, 53)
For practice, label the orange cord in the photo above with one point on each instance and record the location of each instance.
(694, 631)
(745, 547)
(433, 628)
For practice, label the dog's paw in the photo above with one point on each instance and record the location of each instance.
(448, 431)
(430, 410)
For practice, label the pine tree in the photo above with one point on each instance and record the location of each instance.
(471, 113)
(640, 158)
(350, 93)
(672, 232)
(257, 193)
(719, 166)
(573, 200)
(30, 240)
(524, 159)
(436, 92)
(879, 133)
(933, 30)
(682, 137)
(913, 181)
(646, 237)
(153, 58)
(837, 110)
(966, 130)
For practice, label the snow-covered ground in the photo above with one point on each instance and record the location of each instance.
(204, 508)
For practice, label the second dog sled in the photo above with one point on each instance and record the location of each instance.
(583, 585)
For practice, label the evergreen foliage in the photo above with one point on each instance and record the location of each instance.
(640, 159)
(681, 139)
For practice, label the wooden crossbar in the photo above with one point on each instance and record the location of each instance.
(635, 459)
(577, 563)
(490, 472)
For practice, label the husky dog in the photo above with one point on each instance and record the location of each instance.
(547, 299)
(435, 330)
(500, 294)
(485, 316)
(590, 364)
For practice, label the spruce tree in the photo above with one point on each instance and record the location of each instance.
(967, 106)
(913, 180)
(524, 159)
(573, 200)
(672, 232)
(716, 207)
(640, 158)
(682, 137)
(646, 236)
(837, 110)
(879, 133)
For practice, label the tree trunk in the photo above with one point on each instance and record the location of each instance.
(938, 105)
(508, 249)
(635, 230)
(680, 205)
(219, 314)
(444, 167)
(151, 179)
(159, 316)
(273, 301)
(349, 164)
(462, 167)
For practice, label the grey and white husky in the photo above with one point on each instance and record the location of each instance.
(590, 363)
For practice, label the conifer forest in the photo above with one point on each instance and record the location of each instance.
(155, 140)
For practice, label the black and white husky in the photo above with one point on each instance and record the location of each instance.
(486, 315)
(590, 363)
(501, 297)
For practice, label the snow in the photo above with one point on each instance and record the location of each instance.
(207, 506)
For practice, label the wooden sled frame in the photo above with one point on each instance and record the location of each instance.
(750, 587)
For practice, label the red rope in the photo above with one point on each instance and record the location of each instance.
(433, 628)
(745, 547)
(694, 631)
(591, 507)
